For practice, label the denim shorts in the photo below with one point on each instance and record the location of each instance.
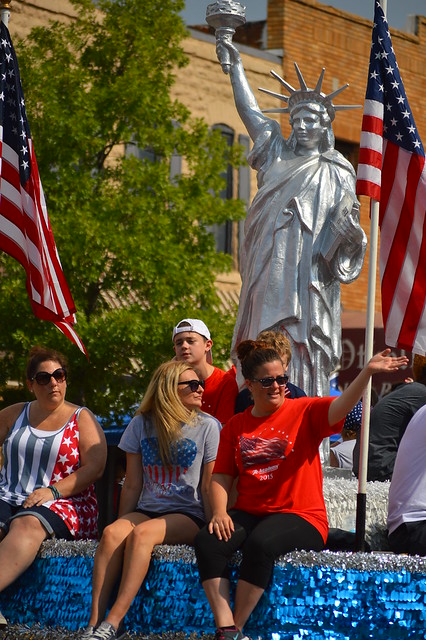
(54, 525)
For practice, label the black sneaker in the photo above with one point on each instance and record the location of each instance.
(87, 633)
(106, 631)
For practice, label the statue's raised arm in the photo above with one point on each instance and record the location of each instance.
(225, 16)
(245, 101)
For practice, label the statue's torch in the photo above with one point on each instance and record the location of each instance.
(225, 16)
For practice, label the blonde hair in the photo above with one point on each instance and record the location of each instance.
(162, 402)
(278, 341)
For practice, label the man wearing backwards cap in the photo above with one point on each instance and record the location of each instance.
(193, 344)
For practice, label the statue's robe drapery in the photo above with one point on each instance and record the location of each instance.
(293, 257)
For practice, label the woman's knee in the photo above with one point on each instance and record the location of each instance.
(28, 527)
(256, 547)
(116, 533)
(145, 534)
(202, 540)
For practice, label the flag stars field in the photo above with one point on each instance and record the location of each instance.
(392, 171)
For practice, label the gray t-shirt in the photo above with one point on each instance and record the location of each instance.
(176, 488)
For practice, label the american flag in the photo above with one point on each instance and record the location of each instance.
(392, 171)
(260, 451)
(25, 231)
(183, 453)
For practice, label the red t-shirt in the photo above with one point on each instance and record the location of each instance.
(276, 459)
(220, 394)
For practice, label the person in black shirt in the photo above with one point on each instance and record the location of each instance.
(388, 421)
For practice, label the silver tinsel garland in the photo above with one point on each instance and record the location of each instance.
(340, 496)
(376, 561)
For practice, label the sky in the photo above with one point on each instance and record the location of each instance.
(397, 10)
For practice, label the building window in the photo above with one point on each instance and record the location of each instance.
(223, 232)
(349, 150)
(148, 154)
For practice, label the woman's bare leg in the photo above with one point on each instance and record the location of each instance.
(108, 562)
(217, 592)
(246, 598)
(170, 529)
(19, 548)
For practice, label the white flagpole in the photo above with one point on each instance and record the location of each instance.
(366, 399)
(5, 11)
(369, 339)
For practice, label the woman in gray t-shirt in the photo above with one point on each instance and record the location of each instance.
(170, 450)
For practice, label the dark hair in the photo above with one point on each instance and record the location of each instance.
(278, 341)
(38, 355)
(419, 368)
(253, 354)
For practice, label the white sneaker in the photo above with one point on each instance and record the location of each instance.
(3, 621)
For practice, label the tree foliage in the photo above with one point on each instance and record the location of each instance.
(133, 242)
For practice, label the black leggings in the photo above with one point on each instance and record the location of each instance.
(261, 539)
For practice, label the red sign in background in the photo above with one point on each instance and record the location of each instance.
(353, 354)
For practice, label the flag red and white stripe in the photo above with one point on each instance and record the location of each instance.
(25, 231)
(392, 171)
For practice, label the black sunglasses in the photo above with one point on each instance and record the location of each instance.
(194, 384)
(43, 377)
(268, 382)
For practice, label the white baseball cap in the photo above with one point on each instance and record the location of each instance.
(191, 324)
(198, 326)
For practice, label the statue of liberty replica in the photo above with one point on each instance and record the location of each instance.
(302, 236)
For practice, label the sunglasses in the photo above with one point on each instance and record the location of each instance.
(268, 382)
(194, 384)
(43, 377)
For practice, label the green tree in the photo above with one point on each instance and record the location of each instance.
(132, 241)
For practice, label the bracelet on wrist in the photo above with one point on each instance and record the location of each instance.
(55, 492)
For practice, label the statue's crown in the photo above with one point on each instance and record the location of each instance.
(305, 95)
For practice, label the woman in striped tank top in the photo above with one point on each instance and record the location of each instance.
(53, 453)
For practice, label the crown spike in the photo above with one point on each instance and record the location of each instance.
(332, 95)
(343, 107)
(319, 83)
(304, 95)
(275, 95)
(286, 110)
(303, 85)
(283, 82)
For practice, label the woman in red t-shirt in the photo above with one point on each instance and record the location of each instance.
(272, 449)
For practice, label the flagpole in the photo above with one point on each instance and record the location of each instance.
(5, 11)
(361, 506)
(366, 399)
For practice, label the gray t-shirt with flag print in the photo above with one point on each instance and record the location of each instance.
(178, 487)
